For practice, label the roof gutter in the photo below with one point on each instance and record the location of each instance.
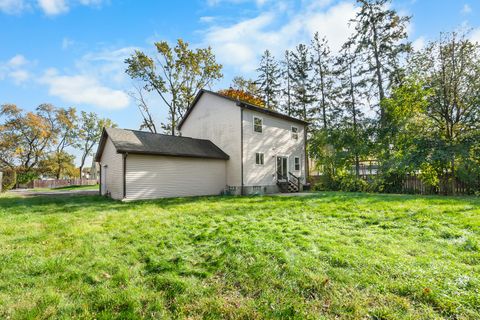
(154, 153)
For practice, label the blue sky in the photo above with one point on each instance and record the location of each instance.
(71, 52)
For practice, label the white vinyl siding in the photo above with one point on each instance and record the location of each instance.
(113, 172)
(218, 120)
(276, 140)
(150, 176)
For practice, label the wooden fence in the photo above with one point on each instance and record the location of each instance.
(413, 184)
(59, 183)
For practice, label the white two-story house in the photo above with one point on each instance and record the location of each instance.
(224, 146)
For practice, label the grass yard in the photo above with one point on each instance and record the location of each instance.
(324, 256)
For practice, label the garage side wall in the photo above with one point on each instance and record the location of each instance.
(112, 171)
(149, 177)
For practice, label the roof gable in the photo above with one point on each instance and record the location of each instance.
(141, 142)
(240, 104)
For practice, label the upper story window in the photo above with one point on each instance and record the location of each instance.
(297, 163)
(259, 158)
(257, 124)
(295, 133)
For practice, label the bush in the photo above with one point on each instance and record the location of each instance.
(325, 183)
(9, 179)
(390, 182)
(342, 182)
(26, 177)
(353, 184)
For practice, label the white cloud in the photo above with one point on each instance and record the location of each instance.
(419, 43)
(98, 80)
(17, 61)
(67, 43)
(207, 19)
(84, 89)
(107, 65)
(15, 69)
(466, 9)
(213, 3)
(91, 2)
(53, 7)
(236, 44)
(19, 76)
(239, 45)
(333, 23)
(49, 7)
(12, 6)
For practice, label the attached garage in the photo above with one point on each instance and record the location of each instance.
(142, 165)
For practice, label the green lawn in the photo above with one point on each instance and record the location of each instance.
(325, 256)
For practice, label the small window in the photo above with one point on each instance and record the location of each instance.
(297, 163)
(257, 124)
(259, 158)
(295, 133)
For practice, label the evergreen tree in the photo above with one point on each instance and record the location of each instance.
(350, 92)
(380, 33)
(268, 80)
(302, 89)
(323, 80)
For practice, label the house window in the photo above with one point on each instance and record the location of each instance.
(259, 158)
(297, 163)
(257, 124)
(295, 133)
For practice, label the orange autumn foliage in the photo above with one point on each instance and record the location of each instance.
(242, 96)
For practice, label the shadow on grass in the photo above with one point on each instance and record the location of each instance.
(48, 204)
(51, 205)
(79, 187)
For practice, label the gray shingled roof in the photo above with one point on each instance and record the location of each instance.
(141, 142)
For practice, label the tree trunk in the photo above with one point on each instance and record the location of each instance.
(355, 128)
(173, 119)
(357, 165)
(59, 164)
(322, 89)
(453, 180)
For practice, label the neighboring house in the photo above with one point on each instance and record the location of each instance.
(226, 146)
